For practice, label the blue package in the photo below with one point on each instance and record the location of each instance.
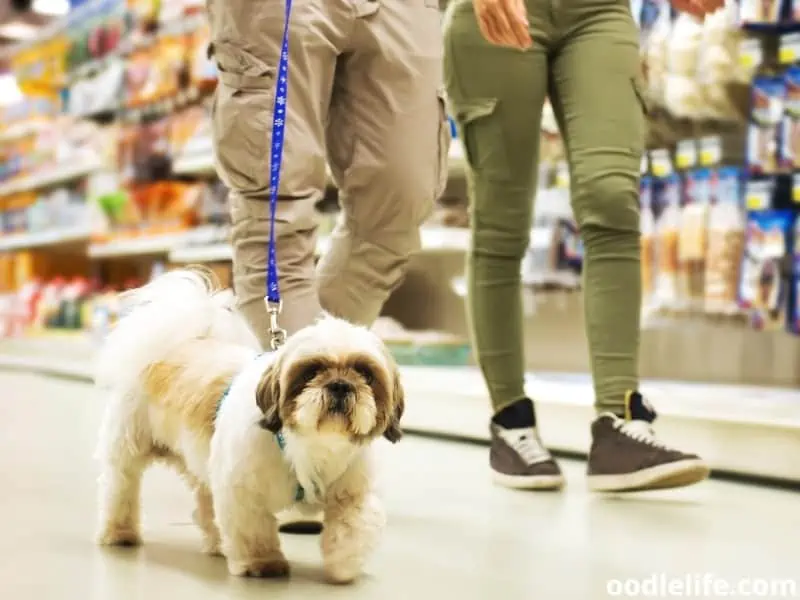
(794, 295)
(727, 186)
(699, 187)
(763, 286)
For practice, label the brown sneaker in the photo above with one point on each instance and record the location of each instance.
(626, 456)
(520, 461)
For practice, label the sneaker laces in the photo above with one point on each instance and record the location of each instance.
(641, 431)
(528, 445)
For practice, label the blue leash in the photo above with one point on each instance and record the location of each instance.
(277, 336)
(273, 298)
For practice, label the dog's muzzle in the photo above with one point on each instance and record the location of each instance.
(339, 394)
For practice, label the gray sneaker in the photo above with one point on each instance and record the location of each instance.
(626, 456)
(520, 461)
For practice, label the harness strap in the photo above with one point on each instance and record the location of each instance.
(300, 493)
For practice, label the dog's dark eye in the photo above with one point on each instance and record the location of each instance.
(365, 372)
(309, 372)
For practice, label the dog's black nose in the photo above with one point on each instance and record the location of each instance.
(339, 390)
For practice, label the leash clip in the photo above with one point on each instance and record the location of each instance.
(277, 335)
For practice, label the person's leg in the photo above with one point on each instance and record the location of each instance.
(496, 95)
(595, 91)
(387, 142)
(246, 42)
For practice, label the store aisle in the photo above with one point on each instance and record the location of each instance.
(451, 533)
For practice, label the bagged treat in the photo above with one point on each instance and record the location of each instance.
(725, 243)
(693, 238)
(790, 134)
(763, 290)
(760, 11)
(655, 50)
(766, 114)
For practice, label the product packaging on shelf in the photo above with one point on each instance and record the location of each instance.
(761, 11)
(692, 241)
(666, 212)
(794, 296)
(764, 289)
(790, 134)
(726, 233)
(766, 114)
(554, 255)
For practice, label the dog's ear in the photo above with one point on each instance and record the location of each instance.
(268, 394)
(393, 432)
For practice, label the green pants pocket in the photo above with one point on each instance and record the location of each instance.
(483, 138)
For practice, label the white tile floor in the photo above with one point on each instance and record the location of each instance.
(451, 533)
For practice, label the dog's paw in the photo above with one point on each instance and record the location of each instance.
(211, 547)
(119, 537)
(342, 572)
(272, 567)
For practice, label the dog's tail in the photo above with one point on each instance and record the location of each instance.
(173, 309)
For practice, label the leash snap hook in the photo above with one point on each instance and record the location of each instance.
(277, 335)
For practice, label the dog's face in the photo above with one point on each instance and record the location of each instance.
(333, 377)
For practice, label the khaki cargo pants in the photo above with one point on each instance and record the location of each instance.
(365, 99)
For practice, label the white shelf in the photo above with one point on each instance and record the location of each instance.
(202, 163)
(138, 246)
(20, 130)
(58, 175)
(434, 239)
(51, 237)
(202, 254)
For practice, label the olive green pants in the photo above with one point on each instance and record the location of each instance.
(585, 58)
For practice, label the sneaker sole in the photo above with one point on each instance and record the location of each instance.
(671, 475)
(299, 523)
(528, 482)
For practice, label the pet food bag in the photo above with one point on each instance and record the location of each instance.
(725, 243)
(766, 114)
(763, 288)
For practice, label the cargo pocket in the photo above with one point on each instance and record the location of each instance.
(483, 138)
(242, 121)
(445, 138)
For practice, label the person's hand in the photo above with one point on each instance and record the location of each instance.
(698, 8)
(504, 22)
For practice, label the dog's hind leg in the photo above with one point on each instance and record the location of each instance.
(119, 494)
(124, 451)
(204, 518)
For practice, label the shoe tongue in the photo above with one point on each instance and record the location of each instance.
(639, 409)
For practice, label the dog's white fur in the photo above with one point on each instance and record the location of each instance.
(166, 367)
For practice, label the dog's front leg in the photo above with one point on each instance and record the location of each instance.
(354, 521)
(249, 534)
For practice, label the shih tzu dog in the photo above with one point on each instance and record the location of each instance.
(253, 433)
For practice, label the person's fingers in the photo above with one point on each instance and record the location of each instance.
(492, 27)
(503, 26)
(518, 20)
(487, 28)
